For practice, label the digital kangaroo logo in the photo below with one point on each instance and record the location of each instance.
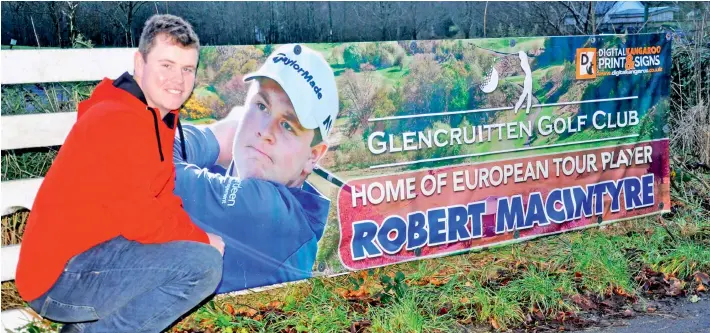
(586, 64)
(585, 60)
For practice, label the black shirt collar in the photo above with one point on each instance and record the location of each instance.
(127, 83)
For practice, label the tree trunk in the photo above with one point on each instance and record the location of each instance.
(311, 22)
(35, 30)
(330, 22)
(129, 21)
(469, 20)
(485, 16)
(53, 12)
(590, 13)
(413, 12)
(271, 23)
(383, 15)
(645, 16)
(594, 21)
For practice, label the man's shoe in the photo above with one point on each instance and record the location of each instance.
(72, 328)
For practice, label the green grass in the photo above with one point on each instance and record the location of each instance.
(503, 44)
(502, 308)
(205, 91)
(682, 260)
(393, 74)
(542, 289)
(321, 310)
(23, 47)
(537, 75)
(200, 121)
(416, 311)
(30, 163)
(597, 259)
(390, 76)
(46, 98)
(324, 48)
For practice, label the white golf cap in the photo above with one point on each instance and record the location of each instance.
(308, 81)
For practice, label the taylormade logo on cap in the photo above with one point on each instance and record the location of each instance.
(298, 69)
(280, 57)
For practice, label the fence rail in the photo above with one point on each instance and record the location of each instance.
(59, 65)
(36, 130)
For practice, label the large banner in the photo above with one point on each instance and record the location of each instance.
(446, 146)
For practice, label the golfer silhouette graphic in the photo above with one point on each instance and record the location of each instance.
(527, 83)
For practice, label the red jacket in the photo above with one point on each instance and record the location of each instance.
(113, 176)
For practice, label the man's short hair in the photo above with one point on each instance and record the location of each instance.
(176, 28)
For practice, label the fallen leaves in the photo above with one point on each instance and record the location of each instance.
(439, 279)
(577, 277)
(675, 287)
(273, 305)
(246, 312)
(657, 283)
(360, 326)
(494, 323)
(351, 294)
(702, 277)
(436, 281)
(616, 302)
(443, 311)
(621, 292)
(537, 321)
(583, 302)
(538, 315)
(702, 280)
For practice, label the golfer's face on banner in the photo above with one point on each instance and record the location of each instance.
(271, 144)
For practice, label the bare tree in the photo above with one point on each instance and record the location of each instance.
(465, 18)
(583, 14)
(330, 22)
(55, 14)
(549, 15)
(273, 34)
(359, 92)
(375, 15)
(417, 18)
(123, 15)
(485, 18)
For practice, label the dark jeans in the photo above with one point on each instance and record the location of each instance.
(126, 286)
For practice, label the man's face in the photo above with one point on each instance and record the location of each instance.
(167, 75)
(270, 142)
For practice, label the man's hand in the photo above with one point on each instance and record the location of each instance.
(225, 130)
(217, 242)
